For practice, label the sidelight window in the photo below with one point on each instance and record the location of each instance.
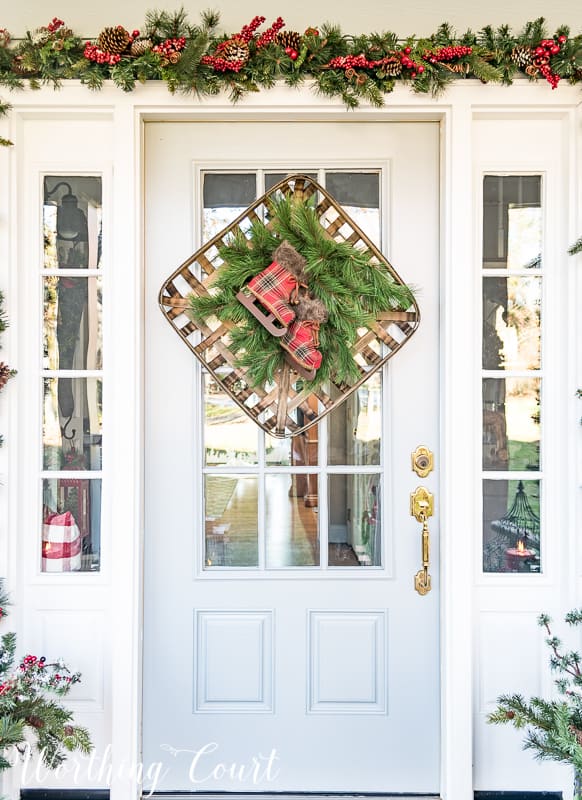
(71, 385)
(512, 382)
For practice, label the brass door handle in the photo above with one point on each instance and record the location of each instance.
(422, 508)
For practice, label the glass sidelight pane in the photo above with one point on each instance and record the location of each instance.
(231, 521)
(72, 217)
(71, 525)
(511, 323)
(72, 417)
(355, 427)
(230, 437)
(355, 525)
(511, 526)
(73, 333)
(291, 520)
(511, 423)
(512, 221)
(225, 196)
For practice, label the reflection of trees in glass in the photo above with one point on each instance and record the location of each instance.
(511, 323)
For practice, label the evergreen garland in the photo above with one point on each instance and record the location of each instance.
(352, 288)
(553, 728)
(53, 53)
(28, 711)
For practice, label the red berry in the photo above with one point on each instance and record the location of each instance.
(293, 55)
(562, 39)
(407, 50)
(420, 69)
(135, 33)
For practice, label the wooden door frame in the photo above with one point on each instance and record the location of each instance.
(129, 114)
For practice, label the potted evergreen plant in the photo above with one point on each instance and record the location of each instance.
(553, 728)
(30, 714)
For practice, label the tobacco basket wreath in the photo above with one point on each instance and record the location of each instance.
(275, 393)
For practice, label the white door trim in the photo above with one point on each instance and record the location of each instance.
(130, 113)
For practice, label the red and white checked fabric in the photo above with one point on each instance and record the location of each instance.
(277, 289)
(61, 544)
(302, 341)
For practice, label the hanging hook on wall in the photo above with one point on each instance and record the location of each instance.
(67, 436)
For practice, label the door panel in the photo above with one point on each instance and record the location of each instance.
(272, 660)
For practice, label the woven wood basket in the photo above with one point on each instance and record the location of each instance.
(275, 407)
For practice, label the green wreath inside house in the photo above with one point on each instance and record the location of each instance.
(293, 295)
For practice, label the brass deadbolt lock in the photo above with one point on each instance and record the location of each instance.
(422, 461)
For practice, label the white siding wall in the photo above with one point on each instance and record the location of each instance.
(420, 16)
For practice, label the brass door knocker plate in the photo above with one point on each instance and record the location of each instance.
(422, 461)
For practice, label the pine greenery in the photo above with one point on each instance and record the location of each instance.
(29, 710)
(553, 728)
(353, 288)
(576, 247)
(52, 54)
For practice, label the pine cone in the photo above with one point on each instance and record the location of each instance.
(290, 39)
(522, 56)
(5, 374)
(35, 722)
(113, 40)
(235, 49)
(140, 46)
(392, 66)
(20, 67)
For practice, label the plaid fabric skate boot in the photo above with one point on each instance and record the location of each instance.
(276, 290)
(302, 338)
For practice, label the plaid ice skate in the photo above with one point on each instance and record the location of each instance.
(276, 288)
(301, 342)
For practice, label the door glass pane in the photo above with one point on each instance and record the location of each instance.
(359, 194)
(72, 416)
(355, 527)
(225, 196)
(291, 520)
(511, 423)
(71, 525)
(280, 452)
(355, 427)
(511, 526)
(272, 178)
(72, 222)
(512, 221)
(73, 335)
(511, 323)
(230, 437)
(231, 520)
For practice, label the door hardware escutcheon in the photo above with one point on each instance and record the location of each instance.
(422, 461)
(422, 508)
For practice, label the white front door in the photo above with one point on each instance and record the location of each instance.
(286, 648)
